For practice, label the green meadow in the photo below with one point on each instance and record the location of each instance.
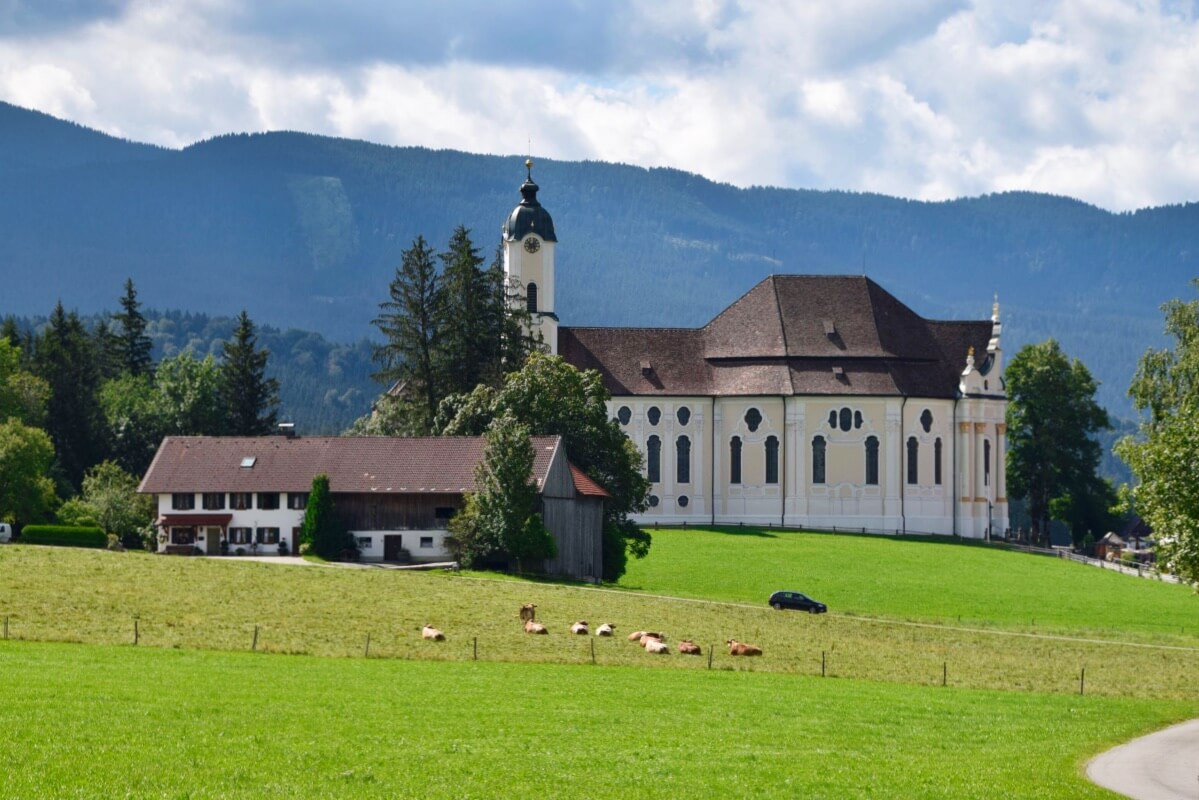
(265, 680)
(84, 721)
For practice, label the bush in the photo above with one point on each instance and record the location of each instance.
(65, 535)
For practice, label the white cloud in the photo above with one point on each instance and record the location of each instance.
(933, 99)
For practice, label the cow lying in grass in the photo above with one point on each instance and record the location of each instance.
(536, 627)
(528, 612)
(689, 648)
(605, 630)
(637, 636)
(656, 646)
(580, 628)
(737, 648)
(431, 633)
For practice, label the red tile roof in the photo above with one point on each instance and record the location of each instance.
(584, 485)
(785, 336)
(441, 464)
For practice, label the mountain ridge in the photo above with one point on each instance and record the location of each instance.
(306, 231)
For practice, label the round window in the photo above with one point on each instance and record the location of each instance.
(653, 415)
(653, 501)
(683, 415)
(683, 501)
(624, 415)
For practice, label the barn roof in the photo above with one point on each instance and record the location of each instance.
(584, 485)
(788, 335)
(389, 465)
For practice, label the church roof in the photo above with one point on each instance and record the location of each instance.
(788, 335)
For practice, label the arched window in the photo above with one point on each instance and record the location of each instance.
(653, 415)
(682, 449)
(937, 462)
(986, 462)
(772, 459)
(872, 460)
(653, 459)
(913, 460)
(735, 460)
(683, 415)
(531, 297)
(818, 460)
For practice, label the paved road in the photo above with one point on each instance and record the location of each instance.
(1160, 766)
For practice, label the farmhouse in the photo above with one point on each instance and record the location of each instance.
(813, 400)
(231, 495)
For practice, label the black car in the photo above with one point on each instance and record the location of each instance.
(798, 601)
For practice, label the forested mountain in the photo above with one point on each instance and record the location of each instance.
(323, 385)
(306, 231)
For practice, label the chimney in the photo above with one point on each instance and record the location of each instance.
(288, 429)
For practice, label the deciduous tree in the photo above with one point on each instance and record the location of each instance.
(552, 398)
(1053, 420)
(26, 494)
(1165, 457)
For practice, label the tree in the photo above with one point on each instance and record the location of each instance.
(1053, 455)
(110, 499)
(65, 357)
(502, 512)
(409, 322)
(551, 398)
(471, 319)
(1166, 458)
(26, 494)
(23, 395)
(322, 531)
(247, 395)
(132, 342)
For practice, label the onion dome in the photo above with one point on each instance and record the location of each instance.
(530, 216)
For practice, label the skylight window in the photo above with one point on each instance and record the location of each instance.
(249, 461)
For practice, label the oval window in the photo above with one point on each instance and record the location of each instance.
(926, 420)
(653, 415)
(753, 418)
(857, 419)
(846, 419)
(624, 415)
(683, 415)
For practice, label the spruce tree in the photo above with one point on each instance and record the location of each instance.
(133, 343)
(65, 357)
(322, 530)
(411, 326)
(247, 395)
(471, 321)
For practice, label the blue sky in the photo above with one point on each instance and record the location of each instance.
(929, 99)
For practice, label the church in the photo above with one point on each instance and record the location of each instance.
(813, 401)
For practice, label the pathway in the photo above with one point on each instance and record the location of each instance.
(1160, 766)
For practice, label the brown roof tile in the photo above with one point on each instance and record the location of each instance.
(784, 337)
(585, 485)
(441, 464)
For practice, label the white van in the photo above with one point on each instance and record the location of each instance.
(5, 532)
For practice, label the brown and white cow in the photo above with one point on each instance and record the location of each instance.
(651, 637)
(431, 633)
(635, 636)
(737, 648)
(528, 612)
(536, 627)
(656, 646)
(580, 628)
(605, 630)
(689, 648)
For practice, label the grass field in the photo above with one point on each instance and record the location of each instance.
(53, 594)
(83, 721)
(902, 578)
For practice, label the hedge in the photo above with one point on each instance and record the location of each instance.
(64, 535)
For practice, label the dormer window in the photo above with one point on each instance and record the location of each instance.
(248, 462)
(830, 330)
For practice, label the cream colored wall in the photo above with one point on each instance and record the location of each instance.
(698, 489)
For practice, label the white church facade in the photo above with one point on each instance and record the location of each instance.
(813, 401)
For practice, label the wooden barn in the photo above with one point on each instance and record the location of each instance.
(247, 495)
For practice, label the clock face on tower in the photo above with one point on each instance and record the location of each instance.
(532, 244)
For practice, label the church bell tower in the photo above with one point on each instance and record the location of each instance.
(529, 243)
